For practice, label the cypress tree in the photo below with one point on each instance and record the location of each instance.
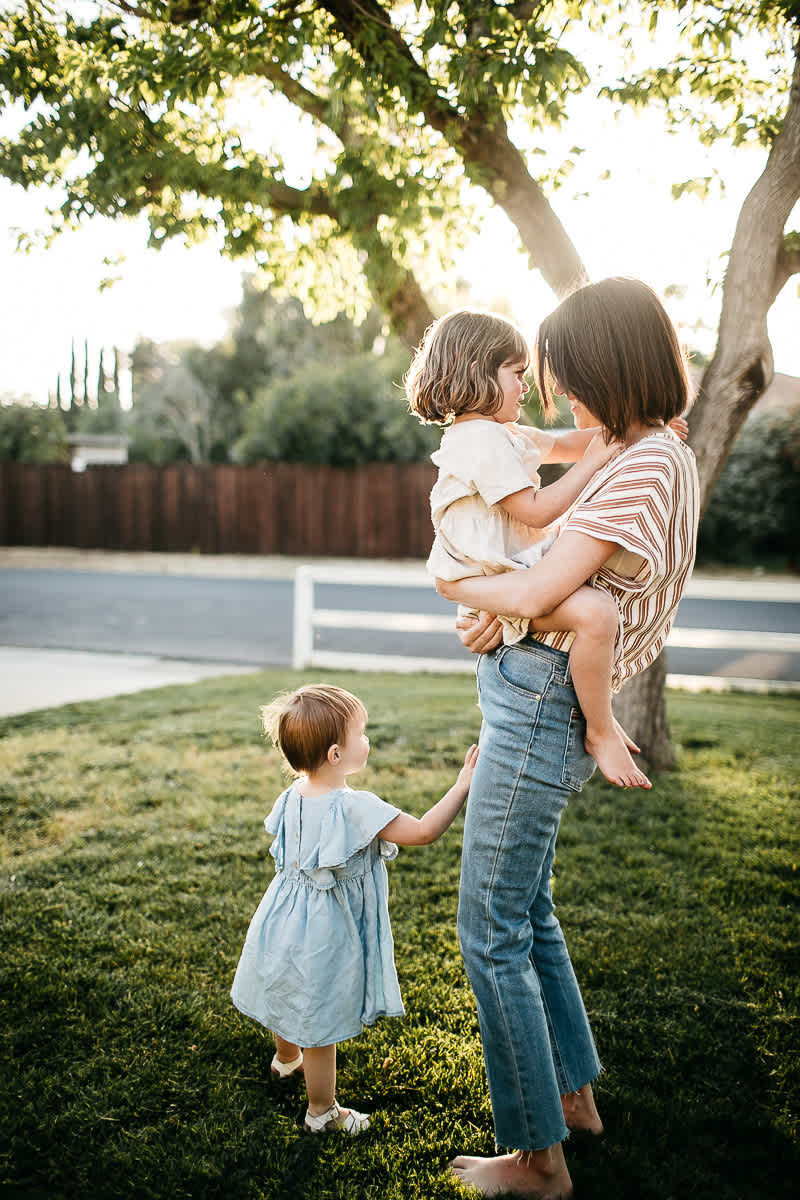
(74, 400)
(101, 382)
(86, 372)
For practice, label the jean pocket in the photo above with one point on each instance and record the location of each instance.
(579, 766)
(521, 672)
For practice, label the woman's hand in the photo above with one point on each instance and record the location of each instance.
(479, 634)
(680, 426)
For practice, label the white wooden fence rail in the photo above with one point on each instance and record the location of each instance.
(307, 618)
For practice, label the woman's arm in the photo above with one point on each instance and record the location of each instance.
(573, 559)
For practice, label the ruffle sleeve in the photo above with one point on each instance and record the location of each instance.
(353, 820)
(275, 824)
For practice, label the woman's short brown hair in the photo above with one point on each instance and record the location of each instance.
(306, 723)
(455, 366)
(612, 345)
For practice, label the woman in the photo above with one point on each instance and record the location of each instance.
(613, 350)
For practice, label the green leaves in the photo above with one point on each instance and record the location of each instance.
(728, 74)
(754, 511)
(190, 112)
(695, 187)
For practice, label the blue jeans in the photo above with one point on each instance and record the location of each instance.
(537, 1044)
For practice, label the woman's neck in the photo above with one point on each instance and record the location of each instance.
(638, 431)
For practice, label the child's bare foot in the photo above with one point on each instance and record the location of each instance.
(580, 1110)
(613, 758)
(521, 1174)
(629, 742)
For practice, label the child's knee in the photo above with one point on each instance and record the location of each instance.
(600, 613)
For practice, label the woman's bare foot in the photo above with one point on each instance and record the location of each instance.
(580, 1110)
(540, 1173)
(613, 758)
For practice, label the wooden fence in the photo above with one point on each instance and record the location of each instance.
(375, 511)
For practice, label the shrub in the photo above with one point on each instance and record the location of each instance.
(350, 414)
(30, 433)
(754, 510)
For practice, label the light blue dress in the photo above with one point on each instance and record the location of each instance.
(318, 961)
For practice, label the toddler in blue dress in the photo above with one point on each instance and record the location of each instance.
(318, 961)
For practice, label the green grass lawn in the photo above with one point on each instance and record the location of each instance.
(133, 855)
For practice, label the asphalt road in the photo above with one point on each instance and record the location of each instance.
(249, 621)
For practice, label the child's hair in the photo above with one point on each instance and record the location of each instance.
(306, 723)
(612, 345)
(455, 366)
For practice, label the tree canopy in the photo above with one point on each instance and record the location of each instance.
(140, 108)
(408, 112)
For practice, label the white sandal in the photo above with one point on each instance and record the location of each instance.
(282, 1070)
(328, 1122)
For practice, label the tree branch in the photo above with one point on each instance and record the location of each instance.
(788, 264)
(333, 117)
(293, 90)
(294, 200)
(481, 138)
(131, 10)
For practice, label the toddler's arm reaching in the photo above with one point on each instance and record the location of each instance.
(406, 830)
(569, 445)
(539, 507)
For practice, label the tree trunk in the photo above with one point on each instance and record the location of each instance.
(409, 311)
(494, 162)
(742, 365)
(641, 710)
(738, 374)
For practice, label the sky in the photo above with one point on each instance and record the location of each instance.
(626, 224)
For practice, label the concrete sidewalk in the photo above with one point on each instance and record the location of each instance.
(35, 679)
(717, 583)
(32, 679)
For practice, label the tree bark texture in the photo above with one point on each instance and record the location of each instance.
(641, 710)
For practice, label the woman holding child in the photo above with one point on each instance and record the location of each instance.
(630, 536)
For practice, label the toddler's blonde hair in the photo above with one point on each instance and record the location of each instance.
(455, 367)
(305, 724)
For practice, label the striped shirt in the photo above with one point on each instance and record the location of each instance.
(647, 501)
